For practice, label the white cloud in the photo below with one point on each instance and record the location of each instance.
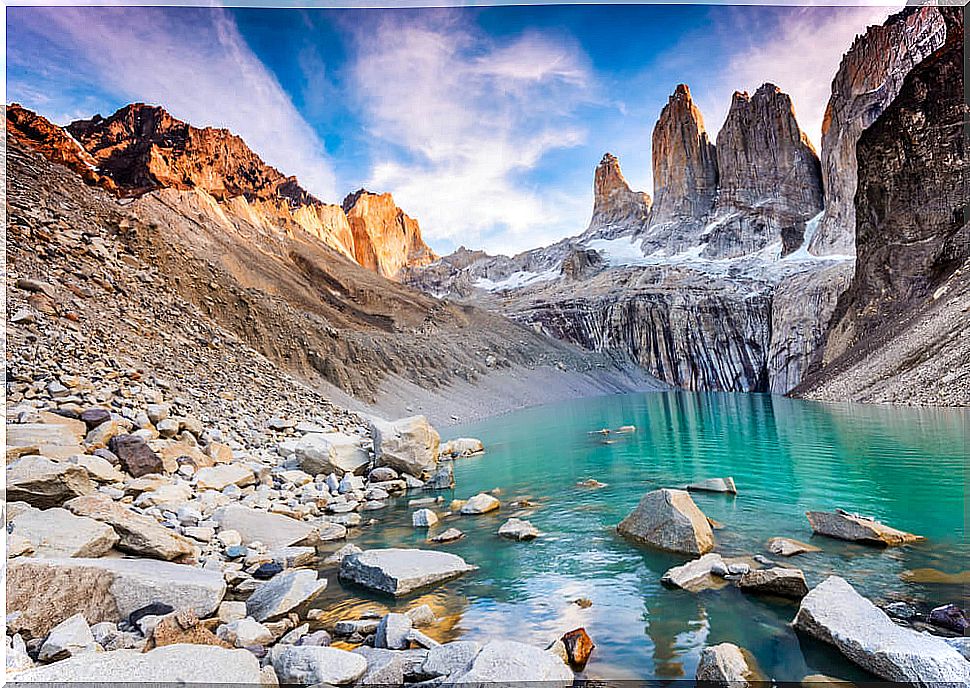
(196, 64)
(458, 121)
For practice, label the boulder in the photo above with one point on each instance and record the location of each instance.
(508, 662)
(669, 520)
(313, 664)
(222, 476)
(775, 581)
(424, 518)
(400, 571)
(449, 535)
(384, 667)
(329, 452)
(517, 529)
(950, 617)
(392, 632)
(339, 555)
(136, 457)
(246, 632)
(59, 533)
(845, 526)
(422, 615)
(47, 591)
(462, 446)
(273, 530)
(696, 575)
(443, 478)
(71, 636)
(138, 534)
(284, 593)
(481, 503)
(44, 483)
(714, 485)
(579, 646)
(726, 666)
(445, 660)
(169, 665)
(409, 445)
(54, 440)
(787, 547)
(182, 627)
(98, 468)
(835, 613)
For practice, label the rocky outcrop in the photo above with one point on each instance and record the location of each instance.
(385, 239)
(868, 79)
(854, 528)
(669, 520)
(684, 170)
(769, 179)
(899, 332)
(616, 209)
(727, 666)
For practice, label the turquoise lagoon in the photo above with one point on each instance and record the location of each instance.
(903, 466)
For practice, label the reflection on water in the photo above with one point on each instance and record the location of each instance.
(903, 466)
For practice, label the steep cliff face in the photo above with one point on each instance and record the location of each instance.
(904, 317)
(385, 239)
(769, 178)
(616, 208)
(868, 79)
(142, 149)
(684, 172)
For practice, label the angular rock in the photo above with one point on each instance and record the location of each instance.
(481, 503)
(54, 440)
(443, 478)
(517, 529)
(424, 518)
(449, 658)
(775, 581)
(510, 662)
(246, 633)
(47, 591)
(136, 457)
(449, 535)
(579, 646)
(400, 571)
(726, 666)
(273, 530)
(950, 617)
(310, 665)
(462, 446)
(714, 485)
(329, 452)
(384, 667)
(172, 664)
(669, 520)
(44, 483)
(409, 445)
(787, 547)
(98, 468)
(56, 532)
(138, 534)
(616, 208)
(284, 593)
(181, 628)
(845, 526)
(339, 555)
(222, 476)
(836, 614)
(70, 637)
(392, 632)
(695, 575)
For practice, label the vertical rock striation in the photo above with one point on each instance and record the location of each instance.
(616, 209)
(769, 177)
(385, 239)
(868, 79)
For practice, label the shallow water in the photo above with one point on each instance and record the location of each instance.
(902, 466)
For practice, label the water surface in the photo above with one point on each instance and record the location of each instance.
(903, 466)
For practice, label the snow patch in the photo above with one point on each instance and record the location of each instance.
(516, 280)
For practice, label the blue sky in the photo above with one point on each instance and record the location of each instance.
(485, 123)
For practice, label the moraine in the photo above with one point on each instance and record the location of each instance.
(900, 465)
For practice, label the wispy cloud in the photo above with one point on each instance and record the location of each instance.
(195, 63)
(459, 120)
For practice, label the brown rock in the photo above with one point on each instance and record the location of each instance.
(180, 627)
(136, 457)
(579, 646)
(385, 239)
(615, 207)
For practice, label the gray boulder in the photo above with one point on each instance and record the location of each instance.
(72, 636)
(283, 593)
(409, 445)
(775, 581)
(517, 529)
(424, 518)
(450, 658)
(669, 520)
(313, 664)
(59, 533)
(696, 575)
(726, 666)
(509, 662)
(392, 632)
(845, 526)
(836, 614)
(273, 530)
(328, 452)
(400, 571)
(44, 483)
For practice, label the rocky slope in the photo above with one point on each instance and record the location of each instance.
(868, 79)
(142, 148)
(901, 331)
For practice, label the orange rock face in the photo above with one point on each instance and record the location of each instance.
(385, 239)
(616, 207)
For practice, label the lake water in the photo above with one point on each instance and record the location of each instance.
(902, 466)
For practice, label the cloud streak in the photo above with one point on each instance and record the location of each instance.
(195, 63)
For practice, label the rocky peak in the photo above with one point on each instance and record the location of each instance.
(616, 209)
(386, 240)
(684, 162)
(868, 79)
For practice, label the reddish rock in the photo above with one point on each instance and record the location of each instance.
(182, 627)
(579, 646)
(136, 457)
(385, 239)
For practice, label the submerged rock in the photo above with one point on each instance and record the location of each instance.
(726, 665)
(788, 547)
(835, 613)
(696, 575)
(714, 485)
(775, 581)
(481, 503)
(517, 529)
(400, 571)
(669, 519)
(845, 526)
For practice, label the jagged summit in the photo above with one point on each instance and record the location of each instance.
(616, 208)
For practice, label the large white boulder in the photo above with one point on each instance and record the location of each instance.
(508, 662)
(409, 445)
(400, 571)
(273, 530)
(328, 452)
(313, 664)
(669, 520)
(835, 613)
(283, 593)
(59, 533)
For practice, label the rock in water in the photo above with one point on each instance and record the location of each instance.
(669, 520)
(787, 547)
(47, 591)
(409, 445)
(775, 581)
(845, 526)
(835, 613)
(463, 446)
(392, 632)
(950, 617)
(695, 575)
(284, 593)
(424, 518)
(481, 503)
(579, 646)
(449, 535)
(400, 571)
(313, 664)
(726, 666)
(443, 478)
(715, 485)
(517, 529)
(507, 662)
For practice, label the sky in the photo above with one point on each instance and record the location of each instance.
(485, 123)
